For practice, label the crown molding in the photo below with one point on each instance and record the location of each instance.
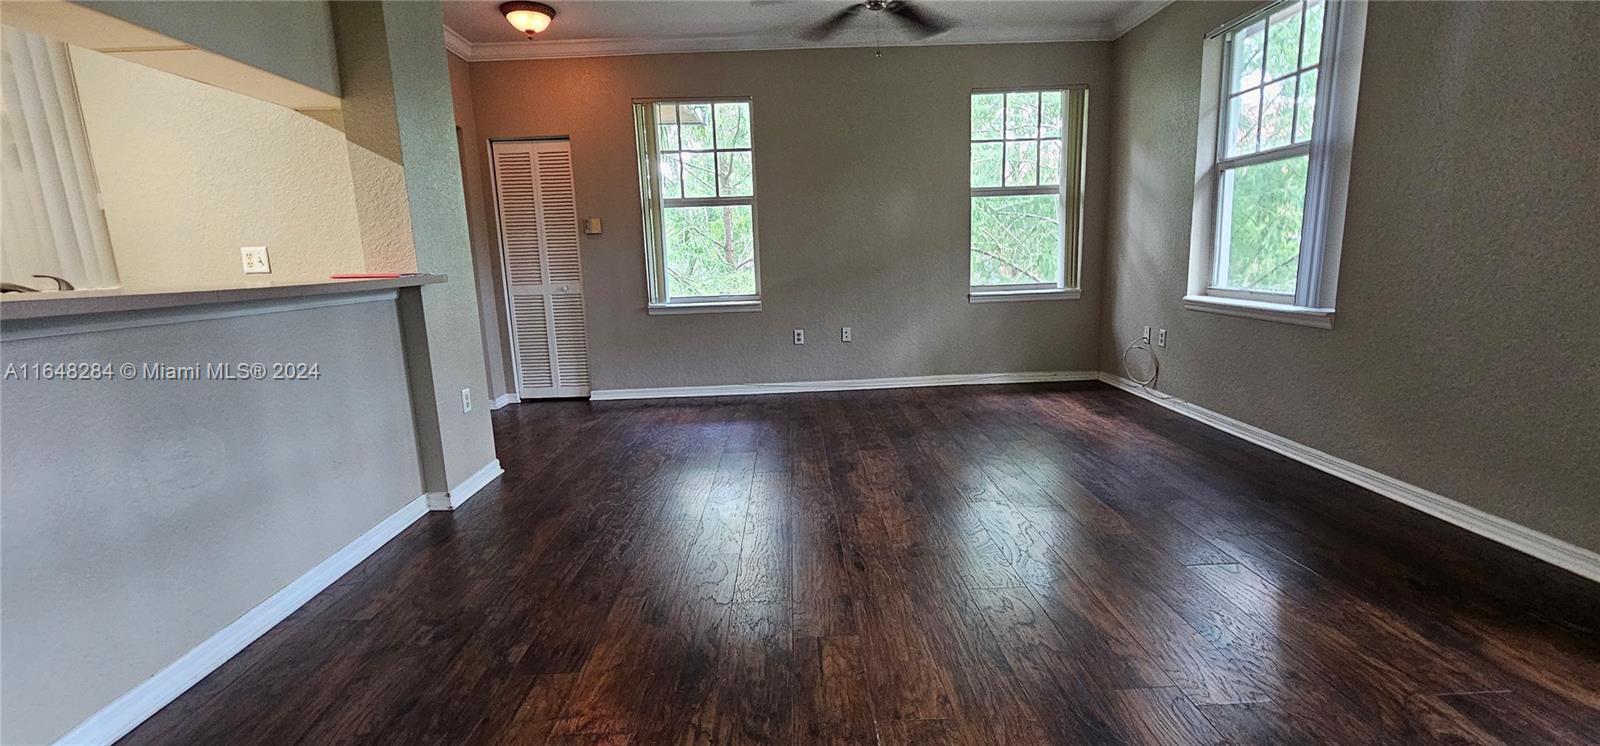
(457, 44)
(1136, 15)
(542, 49)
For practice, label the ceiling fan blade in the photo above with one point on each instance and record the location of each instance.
(925, 23)
(828, 27)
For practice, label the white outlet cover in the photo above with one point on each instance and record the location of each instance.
(255, 260)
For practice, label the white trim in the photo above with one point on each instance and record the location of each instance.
(1136, 15)
(1320, 318)
(1328, 155)
(457, 44)
(726, 306)
(1521, 538)
(117, 719)
(548, 49)
(654, 204)
(504, 400)
(1068, 193)
(461, 493)
(1016, 191)
(1009, 296)
(1292, 150)
(857, 384)
(708, 201)
(19, 329)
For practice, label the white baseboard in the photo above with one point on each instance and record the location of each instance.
(1515, 535)
(751, 389)
(468, 487)
(125, 713)
(502, 400)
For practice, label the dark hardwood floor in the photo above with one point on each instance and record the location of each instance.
(1031, 564)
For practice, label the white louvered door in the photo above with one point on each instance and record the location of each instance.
(538, 218)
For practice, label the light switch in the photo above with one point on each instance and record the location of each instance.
(591, 226)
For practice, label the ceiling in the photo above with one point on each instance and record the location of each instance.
(475, 30)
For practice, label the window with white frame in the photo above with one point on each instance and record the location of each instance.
(1026, 180)
(1274, 159)
(697, 180)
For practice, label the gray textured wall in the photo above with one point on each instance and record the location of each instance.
(426, 124)
(139, 518)
(485, 251)
(862, 201)
(399, 120)
(1462, 359)
(291, 39)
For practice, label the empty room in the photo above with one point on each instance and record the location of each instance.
(799, 372)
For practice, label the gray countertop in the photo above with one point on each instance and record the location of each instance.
(120, 300)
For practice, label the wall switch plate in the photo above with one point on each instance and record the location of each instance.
(1146, 336)
(1161, 338)
(799, 336)
(466, 400)
(591, 226)
(255, 260)
(844, 334)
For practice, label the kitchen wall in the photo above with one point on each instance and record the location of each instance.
(1462, 356)
(141, 517)
(862, 199)
(190, 172)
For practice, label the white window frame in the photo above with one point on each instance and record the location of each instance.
(649, 154)
(1074, 128)
(1327, 175)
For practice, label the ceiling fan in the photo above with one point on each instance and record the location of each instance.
(921, 22)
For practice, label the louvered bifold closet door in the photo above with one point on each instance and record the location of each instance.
(539, 246)
(558, 213)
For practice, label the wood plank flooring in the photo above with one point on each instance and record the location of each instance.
(1011, 565)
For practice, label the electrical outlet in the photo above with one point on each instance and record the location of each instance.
(799, 336)
(255, 260)
(1161, 338)
(845, 334)
(466, 401)
(1146, 336)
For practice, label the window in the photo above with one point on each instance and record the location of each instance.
(698, 183)
(1026, 180)
(56, 235)
(1272, 169)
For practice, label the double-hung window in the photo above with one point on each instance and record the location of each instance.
(1278, 113)
(698, 185)
(1027, 193)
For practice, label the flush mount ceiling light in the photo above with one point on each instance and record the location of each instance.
(529, 18)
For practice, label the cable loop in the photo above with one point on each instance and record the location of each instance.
(1155, 362)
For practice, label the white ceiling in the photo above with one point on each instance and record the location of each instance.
(475, 30)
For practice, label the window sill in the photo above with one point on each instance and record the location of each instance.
(729, 306)
(1009, 296)
(1320, 318)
